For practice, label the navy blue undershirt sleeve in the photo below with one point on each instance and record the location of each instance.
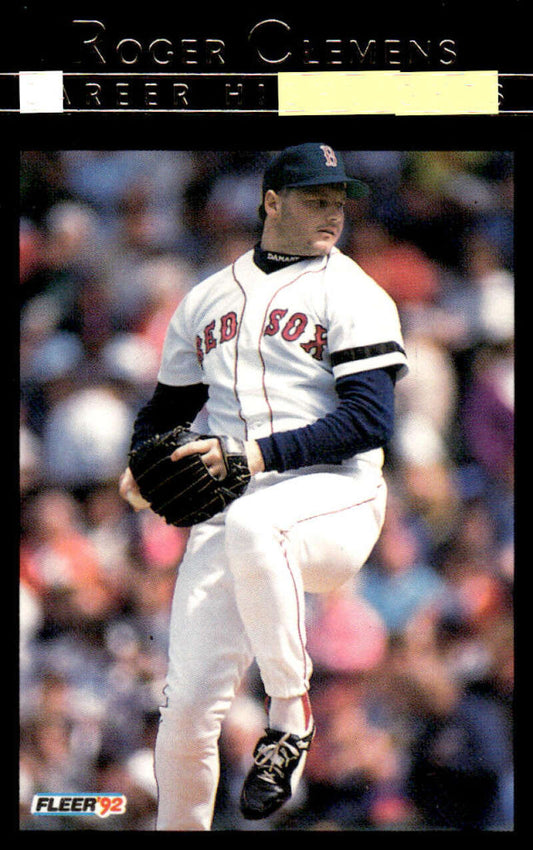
(168, 407)
(363, 420)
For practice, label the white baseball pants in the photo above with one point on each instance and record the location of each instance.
(240, 595)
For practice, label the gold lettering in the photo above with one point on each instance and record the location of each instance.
(92, 43)
(308, 50)
(392, 51)
(333, 47)
(150, 94)
(448, 48)
(234, 97)
(214, 50)
(122, 92)
(259, 31)
(369, 51)
(179, 93)
(166, 54)
(92, 94)
(189, 47)
(129, 51)
(415, 51)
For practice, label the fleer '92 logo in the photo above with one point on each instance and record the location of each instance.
(101, 805)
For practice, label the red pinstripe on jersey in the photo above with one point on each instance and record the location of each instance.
(263, 364)
(284, 536)
(298, 609)
(239, 325)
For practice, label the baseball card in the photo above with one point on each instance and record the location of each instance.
(262, 368)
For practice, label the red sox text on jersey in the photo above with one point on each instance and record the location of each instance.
(291, 328)
(270, 347)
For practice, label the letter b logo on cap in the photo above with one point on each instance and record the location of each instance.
(329, 155)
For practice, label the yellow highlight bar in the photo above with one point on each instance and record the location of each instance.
(388, 93)
(447, 93)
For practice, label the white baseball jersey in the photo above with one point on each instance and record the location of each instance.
(270, 346)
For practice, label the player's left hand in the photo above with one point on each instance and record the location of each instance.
(211, 454)
(213, 458)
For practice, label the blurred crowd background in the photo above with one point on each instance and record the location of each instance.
(413, 683)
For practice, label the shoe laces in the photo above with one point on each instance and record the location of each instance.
(276, 756)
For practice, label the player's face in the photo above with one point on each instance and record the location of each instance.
(308, 221)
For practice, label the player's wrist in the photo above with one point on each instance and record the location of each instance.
(254, 457)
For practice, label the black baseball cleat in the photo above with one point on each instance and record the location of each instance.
(279, 760)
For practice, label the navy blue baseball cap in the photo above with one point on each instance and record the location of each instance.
(310, 164)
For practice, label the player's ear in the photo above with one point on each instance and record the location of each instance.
(271, 202)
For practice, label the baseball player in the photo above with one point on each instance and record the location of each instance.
(294, 350)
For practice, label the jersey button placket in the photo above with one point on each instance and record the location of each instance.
(250, 368)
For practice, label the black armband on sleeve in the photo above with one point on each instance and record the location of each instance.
(168, 407)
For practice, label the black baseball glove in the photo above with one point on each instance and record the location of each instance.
(183, 492)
